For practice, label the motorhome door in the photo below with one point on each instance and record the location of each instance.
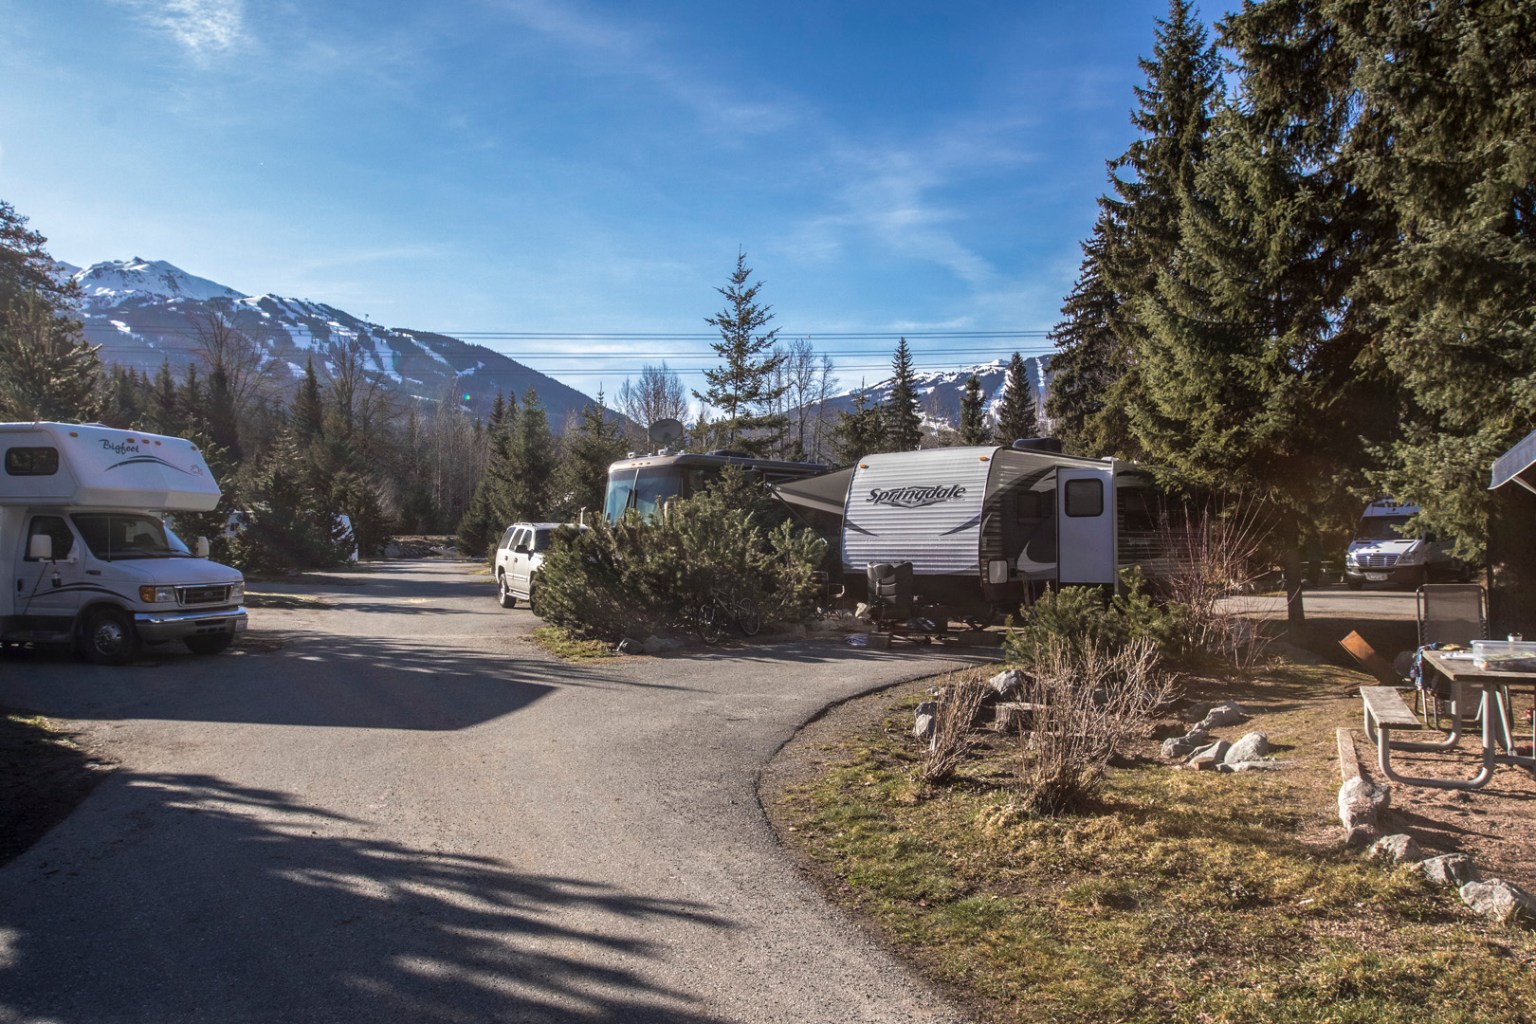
(1085, 526)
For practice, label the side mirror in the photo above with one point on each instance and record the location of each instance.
(200, 549)
(40, 548)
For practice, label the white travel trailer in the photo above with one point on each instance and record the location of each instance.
(983, 526)
(83, 535)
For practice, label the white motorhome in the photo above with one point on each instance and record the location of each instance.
(983, 526)
(1384, 551)
(93, 562)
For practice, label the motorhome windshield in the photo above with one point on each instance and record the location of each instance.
(646, 490)
(1382, 528)
(118, 535)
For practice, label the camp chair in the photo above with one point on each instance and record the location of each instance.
(1448, 613)
(890, 591)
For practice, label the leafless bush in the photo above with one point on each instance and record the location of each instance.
(953, 720)
(1090, 700)
(1211, 566)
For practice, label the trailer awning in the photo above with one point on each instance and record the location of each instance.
(825, 493)
(1517, 464)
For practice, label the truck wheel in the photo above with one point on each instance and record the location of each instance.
(533, 596)
(505, 596)
(108, 638)
(210, 643)
(1354, 584)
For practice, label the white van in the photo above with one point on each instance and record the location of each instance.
(1383, 553)
(91, 560)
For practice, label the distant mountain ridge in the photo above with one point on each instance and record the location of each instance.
(144, 312)
(939, 392)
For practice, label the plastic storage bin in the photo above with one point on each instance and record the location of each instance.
(1504, 655)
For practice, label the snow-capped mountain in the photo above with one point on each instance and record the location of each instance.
(145, 312)
(940, 391)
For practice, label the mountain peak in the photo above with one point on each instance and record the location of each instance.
(117, 281)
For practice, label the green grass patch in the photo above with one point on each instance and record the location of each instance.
(1184, 896)
(567, 646)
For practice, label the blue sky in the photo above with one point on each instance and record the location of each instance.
(557, 168)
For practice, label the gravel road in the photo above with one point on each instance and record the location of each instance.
(398, 808)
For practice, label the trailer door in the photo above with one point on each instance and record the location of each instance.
(1085, 526)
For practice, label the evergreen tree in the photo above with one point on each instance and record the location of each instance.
(532, 470)
(742, 387)
(1250, 359)
(899, 419)
(493, 507)
(1139, 229)
(308, 415)
(1454, 160)
(586, 452)
(1016, 417)
(162, 412)
(858, 433)
(973, 413)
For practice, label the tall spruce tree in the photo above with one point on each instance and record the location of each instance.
(742, 386)
(1455, 90)
(1250, 355)
(531, 474)
(1137, 234)
(858, 432)
(900, 420)
(1017, 416)
(973, 413)
(581, 476)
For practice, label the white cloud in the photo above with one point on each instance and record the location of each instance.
(204, 27)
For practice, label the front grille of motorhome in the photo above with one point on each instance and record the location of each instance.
(1378, 561)
(204, 595)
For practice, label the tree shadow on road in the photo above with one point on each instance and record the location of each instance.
(179, 897)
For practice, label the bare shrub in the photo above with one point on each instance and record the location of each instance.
(1212, 562)
(954, 719)
(1090, 700)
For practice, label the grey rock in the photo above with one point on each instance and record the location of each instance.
(1008, 683)
(1399, 849)
(1252, 747)
(1360, 801)
(1228, 712)
(1259, 766)
(1452, 869)
(1499, 901)
(658, 645)
(1216, 751)
(1180, 747)
(922, 719)
(1359, 835)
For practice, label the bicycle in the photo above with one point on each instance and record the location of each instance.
(710, 620)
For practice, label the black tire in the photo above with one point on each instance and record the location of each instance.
(107, 637)
(750, 622)
(533, 595)
(1354, 584)
(707, 622)
(503, 595)
(210, 643)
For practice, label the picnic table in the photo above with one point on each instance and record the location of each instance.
(1383, 716)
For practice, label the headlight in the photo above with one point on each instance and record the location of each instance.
(157, 595)
(237, 592)
(1413, 556)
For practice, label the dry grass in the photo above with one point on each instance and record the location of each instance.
(954, 720)
(1178, 896)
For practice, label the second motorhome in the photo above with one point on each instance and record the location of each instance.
(88, 555)
(983, 527)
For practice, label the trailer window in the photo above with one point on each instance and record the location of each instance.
(31, 461)
(1085, 498)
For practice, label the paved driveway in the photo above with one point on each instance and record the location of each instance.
(399, 809)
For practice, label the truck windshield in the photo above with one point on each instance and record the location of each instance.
(1382, 528)
(112, 535)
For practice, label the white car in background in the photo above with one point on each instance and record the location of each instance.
(518, 558)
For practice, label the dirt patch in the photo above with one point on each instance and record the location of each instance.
(44, 774)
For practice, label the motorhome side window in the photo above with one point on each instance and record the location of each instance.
(57, 530)
(1085, 498)
(31, 461)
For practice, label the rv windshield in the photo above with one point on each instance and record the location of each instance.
(645, 490)
(1382, 528)
(112, 535)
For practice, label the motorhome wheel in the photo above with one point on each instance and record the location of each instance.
(505, 596)
(210, 643)
(108, 637)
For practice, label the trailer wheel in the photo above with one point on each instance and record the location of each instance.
(505, 596)
(209, 643)
(108, 638)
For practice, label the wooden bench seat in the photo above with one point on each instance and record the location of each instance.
(1384, 705)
